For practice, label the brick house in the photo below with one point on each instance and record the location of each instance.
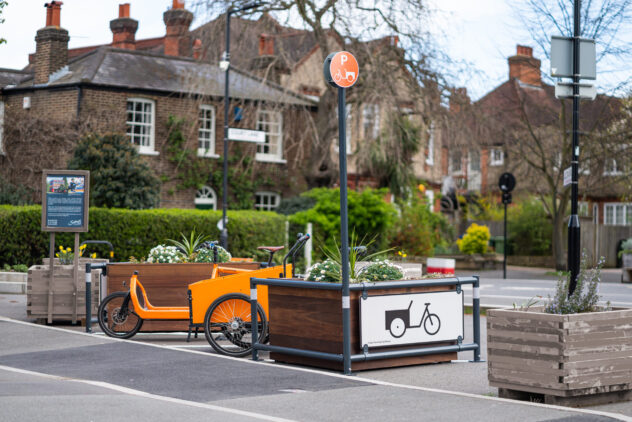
(491, 127)
(134, 87)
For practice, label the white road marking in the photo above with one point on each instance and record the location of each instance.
(329, 374)
(138, 393)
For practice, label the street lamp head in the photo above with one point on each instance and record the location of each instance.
(248, 7)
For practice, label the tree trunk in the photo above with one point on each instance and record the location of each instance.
(321, 170)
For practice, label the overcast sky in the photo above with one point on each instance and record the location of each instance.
(482, 32)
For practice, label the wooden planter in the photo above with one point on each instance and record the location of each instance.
(165, 284)
(311, 319)
(65, 299)
(577, 359)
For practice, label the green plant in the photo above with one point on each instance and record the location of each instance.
(66, 256)
(327, 271)
(355, 252)
(381, 271)
(207, 255)
(579, 301)
(526, 305)
(475, 239)
(530, 228)
(626, 247)
(119, 178)
(14, 194)
(165, 254)
(19, 268)
(189, 245)
(295, 204)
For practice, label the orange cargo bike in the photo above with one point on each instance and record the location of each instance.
(219, 304)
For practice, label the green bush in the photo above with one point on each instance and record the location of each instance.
(14, 194)
(418, 230)
(135, 232)
(475, 240)
(118, 176)
(369, 216)
(529, 228)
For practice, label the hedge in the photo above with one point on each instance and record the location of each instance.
(134, 233)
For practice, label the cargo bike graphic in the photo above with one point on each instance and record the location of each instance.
(220, 305)
(398, 321)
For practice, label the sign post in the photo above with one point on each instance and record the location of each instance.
(341, 71)
(65, 202)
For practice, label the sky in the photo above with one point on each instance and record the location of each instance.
(480, 33)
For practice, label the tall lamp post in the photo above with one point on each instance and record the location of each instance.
(224, 64)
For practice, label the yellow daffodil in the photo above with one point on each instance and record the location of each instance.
(111, 254)
(94, 255)
(57, 255)
(82, 246)
(61, 248)
(404, 255)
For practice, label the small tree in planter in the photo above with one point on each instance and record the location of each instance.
(570, 351)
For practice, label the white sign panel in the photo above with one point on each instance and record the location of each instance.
(246, 135)
(586, 91)
(411, 318)
(568, 176)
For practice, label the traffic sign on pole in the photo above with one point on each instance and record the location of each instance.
(341, 69)
(562, 58)
(565, 90)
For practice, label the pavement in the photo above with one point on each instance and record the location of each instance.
(61, 373)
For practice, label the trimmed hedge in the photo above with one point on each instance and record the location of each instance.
(134, 233)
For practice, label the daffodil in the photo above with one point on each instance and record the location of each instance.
(61, 248)
(94, 255)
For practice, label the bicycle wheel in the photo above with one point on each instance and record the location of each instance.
(228, 325)
(435, 324)
(118, 322)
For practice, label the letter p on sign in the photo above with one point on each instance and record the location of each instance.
(341, 69)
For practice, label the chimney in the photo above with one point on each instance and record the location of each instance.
(124, 29)
(51, 51)
(266, 45)
(458, 98)
(524, 67)
(197, 49)
(178, 20)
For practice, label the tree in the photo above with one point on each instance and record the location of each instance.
(3, 4)
(389, 38)
(119, 178)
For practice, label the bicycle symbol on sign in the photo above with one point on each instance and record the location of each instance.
(349, 76)
(397, 321)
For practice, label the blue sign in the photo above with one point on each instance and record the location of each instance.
(65, 202)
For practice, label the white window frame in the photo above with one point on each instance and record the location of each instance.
(371, 120)
(451, 162)
(209, 151)
(613, 220)
(431, 136)
(2, 128)
(583, 208)
(261, 206)
(149, 149)
(494, 159)
(611, 170)
(271, 133)
(474, 157)
(206, 196)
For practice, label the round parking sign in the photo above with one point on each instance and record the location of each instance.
(341, 69)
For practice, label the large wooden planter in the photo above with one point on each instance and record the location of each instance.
(311, 319)
(165, 284)
(577, 359)
(65, 298)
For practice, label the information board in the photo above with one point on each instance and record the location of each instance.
(65, 200)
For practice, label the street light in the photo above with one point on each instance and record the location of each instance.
(224, 64)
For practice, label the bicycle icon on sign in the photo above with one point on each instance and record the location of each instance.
(349, 76)
(397, 321)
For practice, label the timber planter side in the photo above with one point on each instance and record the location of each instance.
(576, 359)
(311, 319)
(165, 284)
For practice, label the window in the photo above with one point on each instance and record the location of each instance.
(612, 168)
(206, 132)
(140, 124)
(583, 209)
(371, 120)
(475, 161)
(1, 127)
(267, 201)
(431, 135)
(618, 214)
(496, 157)
(455, 161)
(271, 122)
(206, 199)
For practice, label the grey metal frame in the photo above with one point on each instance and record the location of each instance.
(346, 356)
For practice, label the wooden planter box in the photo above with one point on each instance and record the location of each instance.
(311, 319)
(65, 300)
(577, 359)
(165, 284)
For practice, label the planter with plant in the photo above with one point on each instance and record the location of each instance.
(311, 319)
(626, 261)
(571, 351)
(168, 270)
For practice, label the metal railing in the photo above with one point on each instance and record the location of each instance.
(369, 355)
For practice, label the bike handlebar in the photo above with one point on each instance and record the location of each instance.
(300, 242)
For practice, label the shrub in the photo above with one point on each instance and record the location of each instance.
(119, 178)
(165, 254)
(381, 271)
(475, 240)
(14, 194)
(295, 204)
(418, 230)
(207, 255)
(529, 228)
(135, 232)
(369, 215)
(327, 271)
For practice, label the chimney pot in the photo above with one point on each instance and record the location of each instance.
(178, 39)
(124, 29)
(197, 49)
(124, 10)
(51, 45)
(53, 13)
(178, 4)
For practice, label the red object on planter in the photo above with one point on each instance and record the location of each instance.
(440, 265)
